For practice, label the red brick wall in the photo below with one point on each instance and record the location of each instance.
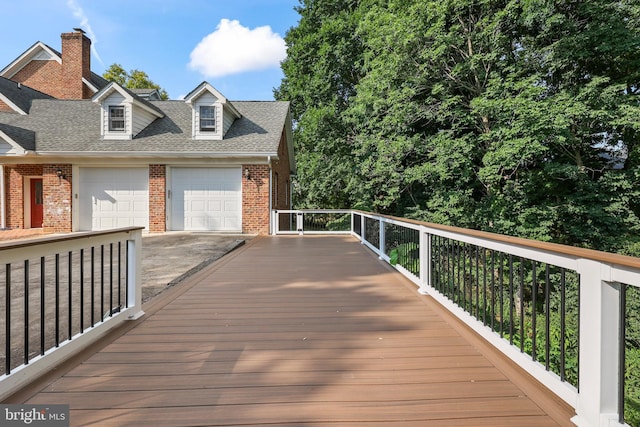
(14, 187)
(57, 199)
(281, 169)
(255, 199)
(157, 199)
(44, 76)
(4, 106)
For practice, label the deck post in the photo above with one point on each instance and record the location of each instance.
(134, 274)
(425, 261)
(598, 354)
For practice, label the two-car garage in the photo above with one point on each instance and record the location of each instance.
(197, 198)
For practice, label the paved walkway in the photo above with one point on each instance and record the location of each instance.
(298, 331)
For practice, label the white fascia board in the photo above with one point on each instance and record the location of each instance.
(204, 87)
(19, 63)
(106, 91)
(12, 105)
(179, 154)
(90, 85)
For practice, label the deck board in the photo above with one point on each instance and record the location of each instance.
(296, 331)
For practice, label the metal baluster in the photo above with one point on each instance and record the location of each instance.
(484, 286)
(501, 284)
(42, 306)
(511, 301)
(477, 283)
(119, 274)
(110, 279)
(57, 281)
(26, 312)
(70, 294)
(547, 317)
(533, 310)
(81, 290)
(493, 291)
(93, 292)
(7, 326)
(101, 283)
(563, 315)
(521, 292)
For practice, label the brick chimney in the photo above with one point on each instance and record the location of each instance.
(76, 64)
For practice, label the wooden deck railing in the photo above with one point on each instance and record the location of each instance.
(557, 311)
(59, 294)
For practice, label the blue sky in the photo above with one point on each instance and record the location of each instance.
(234, 45)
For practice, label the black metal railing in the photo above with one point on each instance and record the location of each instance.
(45, 300)
(402, 246)
(533, 305)
(59, 294)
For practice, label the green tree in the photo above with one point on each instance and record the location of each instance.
(134, 79)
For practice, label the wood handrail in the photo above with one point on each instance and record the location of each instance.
(591, 254)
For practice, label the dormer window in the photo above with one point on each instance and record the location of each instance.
(207, 118)
(116, 119)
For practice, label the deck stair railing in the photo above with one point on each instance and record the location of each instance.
(559, 312)
(58, 294)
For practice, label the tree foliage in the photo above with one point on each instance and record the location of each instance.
(134, 79)
(519, 117)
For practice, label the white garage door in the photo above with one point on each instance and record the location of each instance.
(206, 199)
(113, 198)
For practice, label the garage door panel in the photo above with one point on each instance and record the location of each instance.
(113, 198)
(206, 199)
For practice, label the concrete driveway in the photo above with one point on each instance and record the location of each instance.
(167, 258)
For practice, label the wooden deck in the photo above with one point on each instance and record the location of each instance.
(298, 331)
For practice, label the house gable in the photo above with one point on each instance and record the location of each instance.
(8, 146)
(38, 52)
(220, 113)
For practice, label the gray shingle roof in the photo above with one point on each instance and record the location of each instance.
(20, 95)
(65, 126)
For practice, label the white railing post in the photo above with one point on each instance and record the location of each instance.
(599, 343)
(425, 261)
(381, 238)
(134, 274)
(300, 223)
(363, 231)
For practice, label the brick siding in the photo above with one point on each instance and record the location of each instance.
(157, 199)
(45, 76)
(4, 106)
(281, 170)
(57, 198)
(255, 199)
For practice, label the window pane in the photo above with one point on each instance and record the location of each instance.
(208, 118)
(116, 118)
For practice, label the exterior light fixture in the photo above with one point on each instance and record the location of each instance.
(60, 175)
(247, 174)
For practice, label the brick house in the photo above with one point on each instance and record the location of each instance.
(79, 153)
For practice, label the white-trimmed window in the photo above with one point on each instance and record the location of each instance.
(207, 118)
(116, 118)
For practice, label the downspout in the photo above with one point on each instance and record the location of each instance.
(270, 196)
(3, 220)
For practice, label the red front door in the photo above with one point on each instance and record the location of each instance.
(36, 203)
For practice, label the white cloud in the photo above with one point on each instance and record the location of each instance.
(84, 23)
(234, 49)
